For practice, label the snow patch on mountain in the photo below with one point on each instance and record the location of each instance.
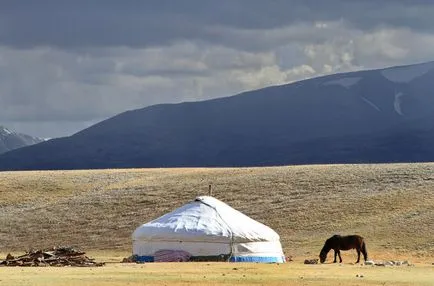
(371, 103)
(397, 103)
(407, 73)
(10, 140)
(5, 131)
(346, 82)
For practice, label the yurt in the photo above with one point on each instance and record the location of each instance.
(206, 229)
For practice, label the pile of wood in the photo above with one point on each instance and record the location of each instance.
(311, 261)
(130, 259)
(56, 256)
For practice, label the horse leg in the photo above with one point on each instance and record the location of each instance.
(358, 255)
(340, 258)
(336, 253)
(365, 253)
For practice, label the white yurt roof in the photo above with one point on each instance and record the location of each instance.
(206, 228)
(205, 218)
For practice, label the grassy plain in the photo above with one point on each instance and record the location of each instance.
(391, 205)
(292, 274)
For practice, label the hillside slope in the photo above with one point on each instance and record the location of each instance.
(391, 205)
(368, 116)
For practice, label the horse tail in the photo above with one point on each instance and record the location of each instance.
(364, 251)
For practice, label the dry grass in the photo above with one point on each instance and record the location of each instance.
(291, 274)
(391, 205)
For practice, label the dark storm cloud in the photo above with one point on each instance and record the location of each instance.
(135, 23)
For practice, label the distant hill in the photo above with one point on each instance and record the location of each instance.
(384, 115)
(10, 140)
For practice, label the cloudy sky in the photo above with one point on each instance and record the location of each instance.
(65, 65)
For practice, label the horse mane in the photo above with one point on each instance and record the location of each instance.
(328, 243)
(326, 248)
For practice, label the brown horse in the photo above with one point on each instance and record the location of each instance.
(338, 243)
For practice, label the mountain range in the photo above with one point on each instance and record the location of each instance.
(371, 116)
(10, 140)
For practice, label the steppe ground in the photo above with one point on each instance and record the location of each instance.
(391, 205)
